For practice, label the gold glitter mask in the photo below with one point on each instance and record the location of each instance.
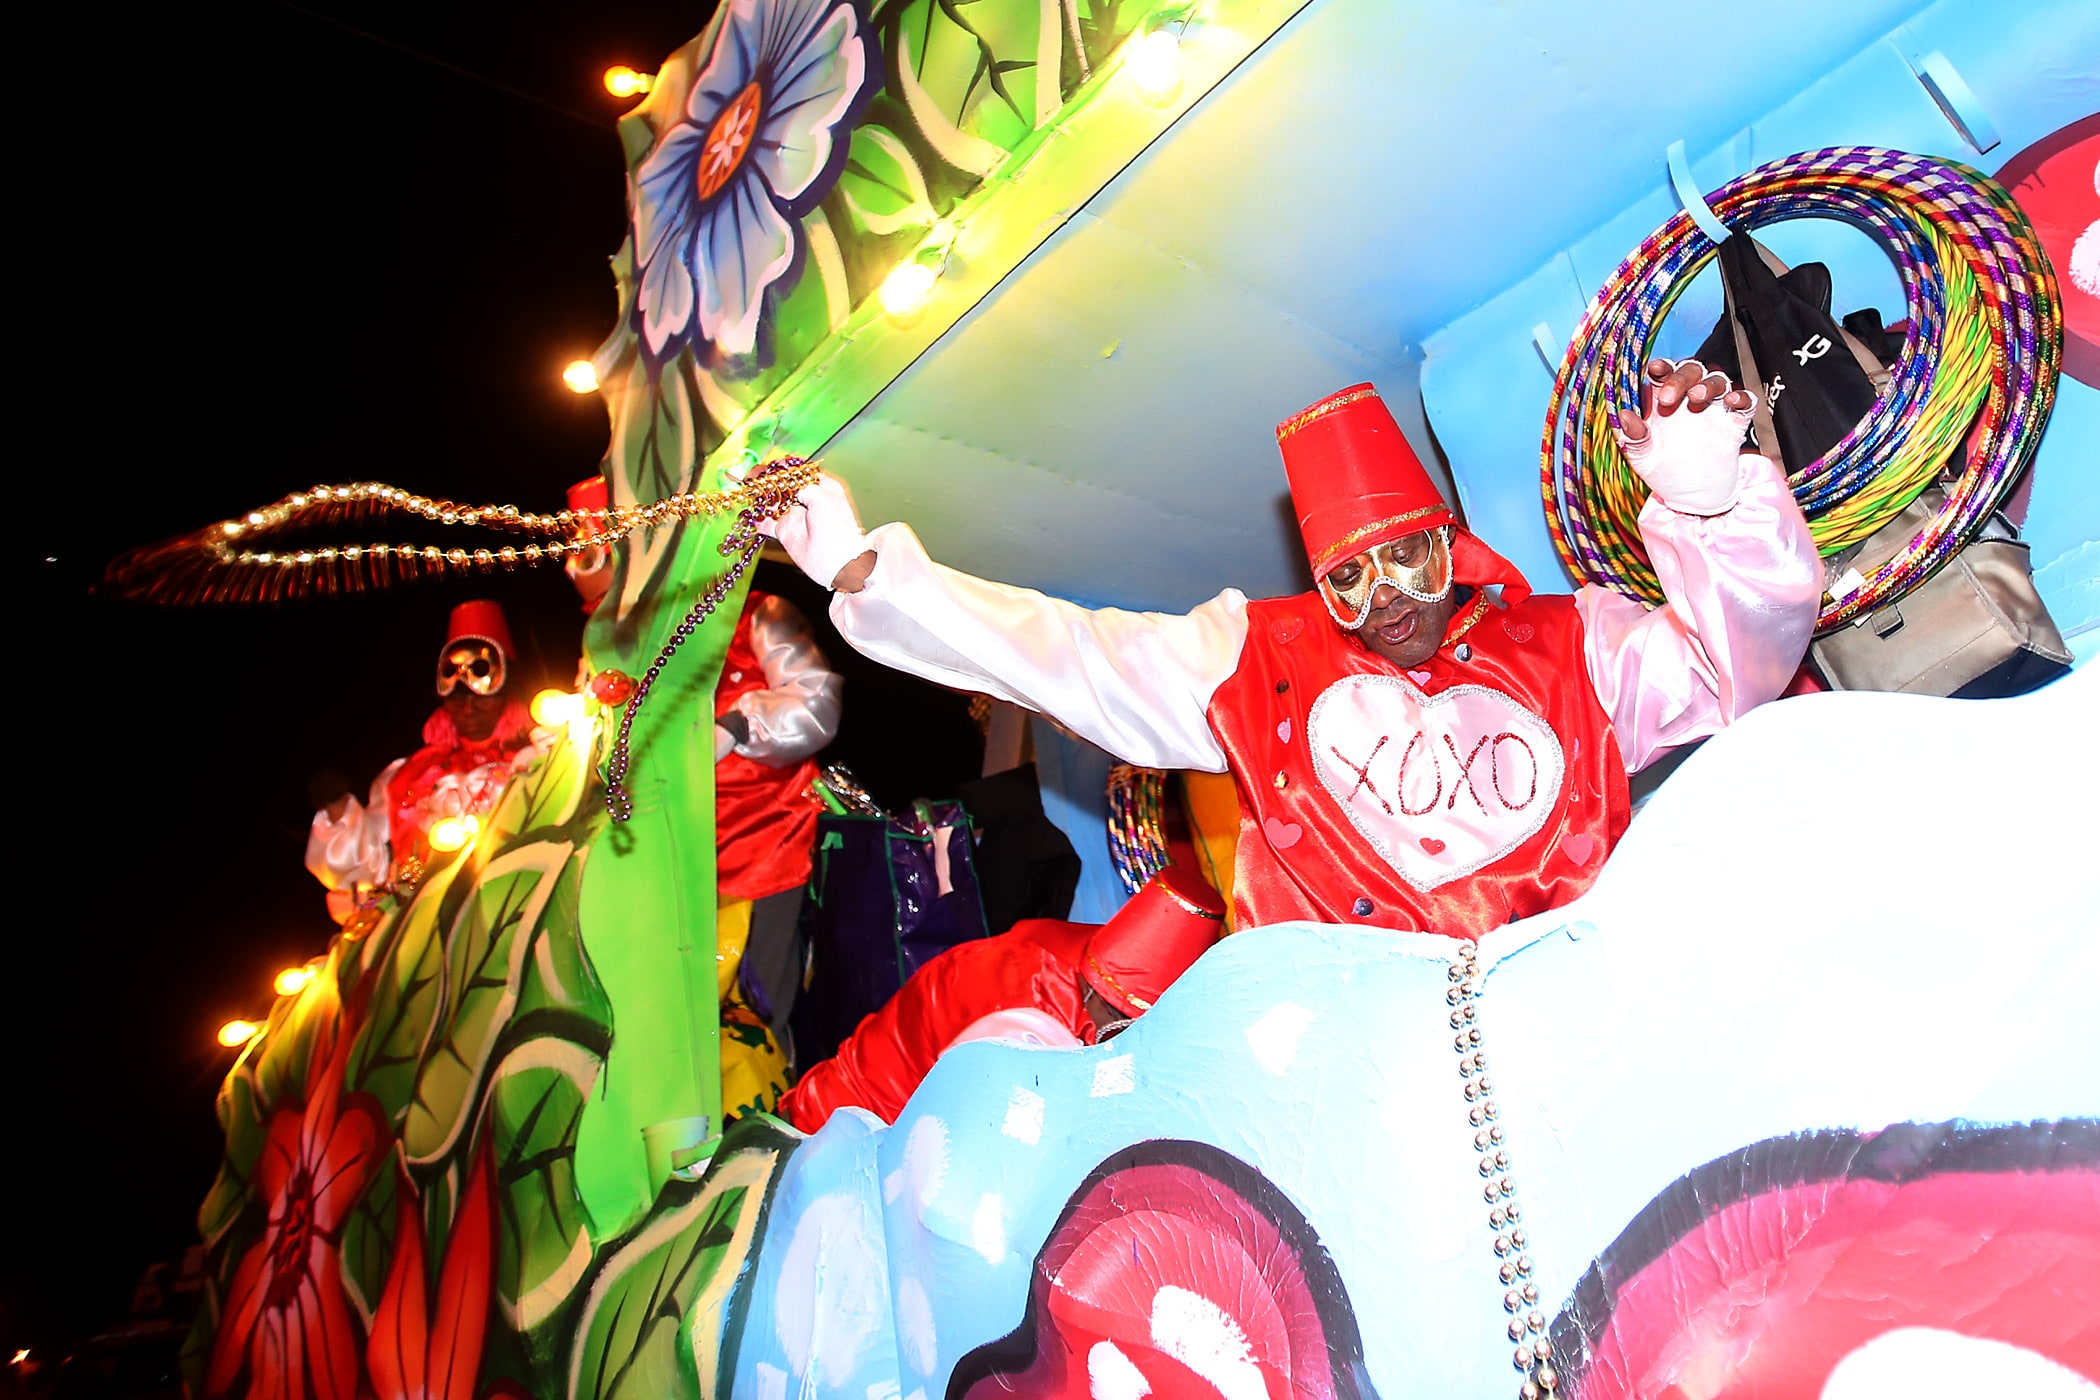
(1419, 565)
(477, 665)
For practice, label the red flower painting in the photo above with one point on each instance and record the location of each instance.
(417, 1353)
(287, 1326)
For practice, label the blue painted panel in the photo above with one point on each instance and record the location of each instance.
(2034, 67)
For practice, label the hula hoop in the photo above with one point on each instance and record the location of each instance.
(1980, 361)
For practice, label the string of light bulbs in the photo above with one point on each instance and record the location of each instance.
(1980, 359)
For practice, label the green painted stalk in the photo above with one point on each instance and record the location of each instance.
(647, 910)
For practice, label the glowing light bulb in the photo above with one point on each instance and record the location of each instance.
(235, 1034)
(622, 81)
(293, 980)
(1155, 67)
(581, 376)
(556, 707)
(450, 833)
(907, 289)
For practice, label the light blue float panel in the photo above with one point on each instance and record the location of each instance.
(1728, 982)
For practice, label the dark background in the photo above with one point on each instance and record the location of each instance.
(274, 247)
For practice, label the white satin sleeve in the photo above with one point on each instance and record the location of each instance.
(798, 711)
(1742, 589)
(350, 850)
(1137, 685)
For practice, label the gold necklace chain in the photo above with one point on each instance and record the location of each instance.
(571, 531)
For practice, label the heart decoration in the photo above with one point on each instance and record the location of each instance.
(1419, 677)
(1439, 785)
(1282, 835)
(1579, 848)
(1286, 629)
(1519, 631)
(1283, 730)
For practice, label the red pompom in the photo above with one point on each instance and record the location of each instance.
(612, 687)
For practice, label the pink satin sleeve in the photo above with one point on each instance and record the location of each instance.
(1742, 590)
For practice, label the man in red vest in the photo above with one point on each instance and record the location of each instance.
(477, 739)
(1044, 982)
(776, 706)
(1419, 742)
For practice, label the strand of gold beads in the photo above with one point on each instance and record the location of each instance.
(1533, 1357)
(568, 532)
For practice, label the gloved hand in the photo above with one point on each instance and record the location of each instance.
(823, 535)
(732, 727)
(1687, 442)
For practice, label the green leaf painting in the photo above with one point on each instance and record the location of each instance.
(406, 992)
(483, 957)
(651, 1322)
(543, 1239)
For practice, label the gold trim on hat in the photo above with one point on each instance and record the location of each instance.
(1335, 552)
(1117, 987)
(1320, 410)
(1188, 906)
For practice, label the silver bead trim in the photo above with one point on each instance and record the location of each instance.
(1527, 1325)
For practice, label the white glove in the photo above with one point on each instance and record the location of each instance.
(820, 533)
(1692, 458)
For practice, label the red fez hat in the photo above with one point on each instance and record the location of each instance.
(1152, 940)
(1356, 483)
(589, 494)
(480, 620)
(1355, 480)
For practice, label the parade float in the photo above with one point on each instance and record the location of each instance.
(1801, 1098)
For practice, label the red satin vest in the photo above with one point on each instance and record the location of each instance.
(765, 817)
(1451, 797)
(444, 754)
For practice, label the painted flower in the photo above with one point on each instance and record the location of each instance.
(718, 200)
(287, 1324)
(430, 1349)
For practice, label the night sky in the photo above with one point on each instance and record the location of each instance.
(270, 251)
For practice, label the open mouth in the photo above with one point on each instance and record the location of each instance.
(1399, 629)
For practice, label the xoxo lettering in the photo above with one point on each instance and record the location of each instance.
(1438, 785)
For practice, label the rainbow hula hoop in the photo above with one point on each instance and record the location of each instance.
(1980, 362)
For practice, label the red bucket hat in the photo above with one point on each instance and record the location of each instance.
(1356, 483)
(1152, 940)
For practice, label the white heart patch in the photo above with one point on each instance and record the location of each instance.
(1439, 785)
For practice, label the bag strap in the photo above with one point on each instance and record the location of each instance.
(1753, 380)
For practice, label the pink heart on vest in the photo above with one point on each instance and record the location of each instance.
(1518, 631)
(1419, 677)
(1282, 835)
(1283, 731)
(1286, 629)
(1579, 848)
(1438, 785)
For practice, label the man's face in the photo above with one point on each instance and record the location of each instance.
(1105, 1016)
(474, 716)
(1405, 631)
